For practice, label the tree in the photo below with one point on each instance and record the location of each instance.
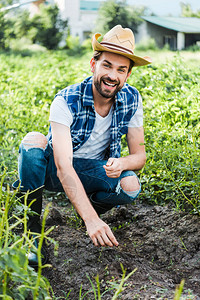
(114, 12)
(5, 3)
(9, 24)
(186, 11)
(45, 28)
(22, 23)
(5, 26)
(48, 27)
(2, 30)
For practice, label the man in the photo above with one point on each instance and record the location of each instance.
(81, 154)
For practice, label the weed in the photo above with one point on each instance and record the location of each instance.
(179, 290)
(18, 279)
(118, 287)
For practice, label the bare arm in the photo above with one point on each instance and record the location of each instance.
(98, 230)
(136, 158)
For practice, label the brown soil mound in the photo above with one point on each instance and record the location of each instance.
(163, 244)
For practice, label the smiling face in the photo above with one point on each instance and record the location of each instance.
(110, 73)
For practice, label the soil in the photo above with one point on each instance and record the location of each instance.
(163, 244)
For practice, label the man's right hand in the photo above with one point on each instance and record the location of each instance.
(100, 233)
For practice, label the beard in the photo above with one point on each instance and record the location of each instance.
(106, 93)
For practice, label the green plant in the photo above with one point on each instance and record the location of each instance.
(186, 11)
(194, 48)
(48, 27)
(117, 286)
(17, 279)
(45, 28)
(6, 31)
(147, 44)
(179, 290)
(73, 45)
(170, 94)
(114, 12)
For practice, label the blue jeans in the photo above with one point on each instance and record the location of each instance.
(37, 168)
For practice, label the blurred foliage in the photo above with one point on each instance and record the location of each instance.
(4, 3)
(186, 11)
(5, 30)
(146, 44)
(45, 28)
(75, 48)
(48, 27)
(171, 100)
(114, 12)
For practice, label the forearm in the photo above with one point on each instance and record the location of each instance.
(137, 155)
(133, 162)
(99, 231)
(75, 192)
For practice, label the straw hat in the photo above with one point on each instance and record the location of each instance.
(120, 41)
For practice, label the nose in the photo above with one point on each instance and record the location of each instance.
(112, 74)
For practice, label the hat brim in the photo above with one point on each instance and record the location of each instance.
(138, 61)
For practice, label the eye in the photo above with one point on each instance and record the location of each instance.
(106, 65)
(121, 70)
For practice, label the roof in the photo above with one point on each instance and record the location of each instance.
(186, 25)
(89, 5)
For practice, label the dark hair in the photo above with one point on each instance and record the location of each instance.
(97, 55)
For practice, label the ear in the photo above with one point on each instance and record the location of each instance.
(92, 64)
(128, 75)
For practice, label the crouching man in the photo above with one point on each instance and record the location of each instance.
(81, 154)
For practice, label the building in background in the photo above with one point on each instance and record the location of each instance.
(178, 33)
(81, 16)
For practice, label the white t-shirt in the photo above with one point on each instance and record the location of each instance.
(99, 139)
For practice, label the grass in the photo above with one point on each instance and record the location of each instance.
(17, 279)
(189, 58)
(170, 91)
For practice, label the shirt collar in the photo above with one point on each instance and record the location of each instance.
(119, 97)
(88, 94)
(87, 99)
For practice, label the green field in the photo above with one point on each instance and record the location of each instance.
(170, 90)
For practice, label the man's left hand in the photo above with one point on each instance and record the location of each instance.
(113, 167)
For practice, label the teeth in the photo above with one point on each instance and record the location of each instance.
(110, 84)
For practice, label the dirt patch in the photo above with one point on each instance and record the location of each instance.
(164, 246)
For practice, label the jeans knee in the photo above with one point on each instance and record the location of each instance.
(130, 184)
(34, 140)
(131, 187)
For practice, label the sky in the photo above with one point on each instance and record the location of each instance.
(166, 7)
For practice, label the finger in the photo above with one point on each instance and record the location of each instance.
(112, 174)
(95, 242)
(113, 168)
(108, 167)
(107, 241)
(112, 237)
(110, 161)
(101, 241)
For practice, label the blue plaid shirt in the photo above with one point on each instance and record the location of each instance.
(79, 98)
